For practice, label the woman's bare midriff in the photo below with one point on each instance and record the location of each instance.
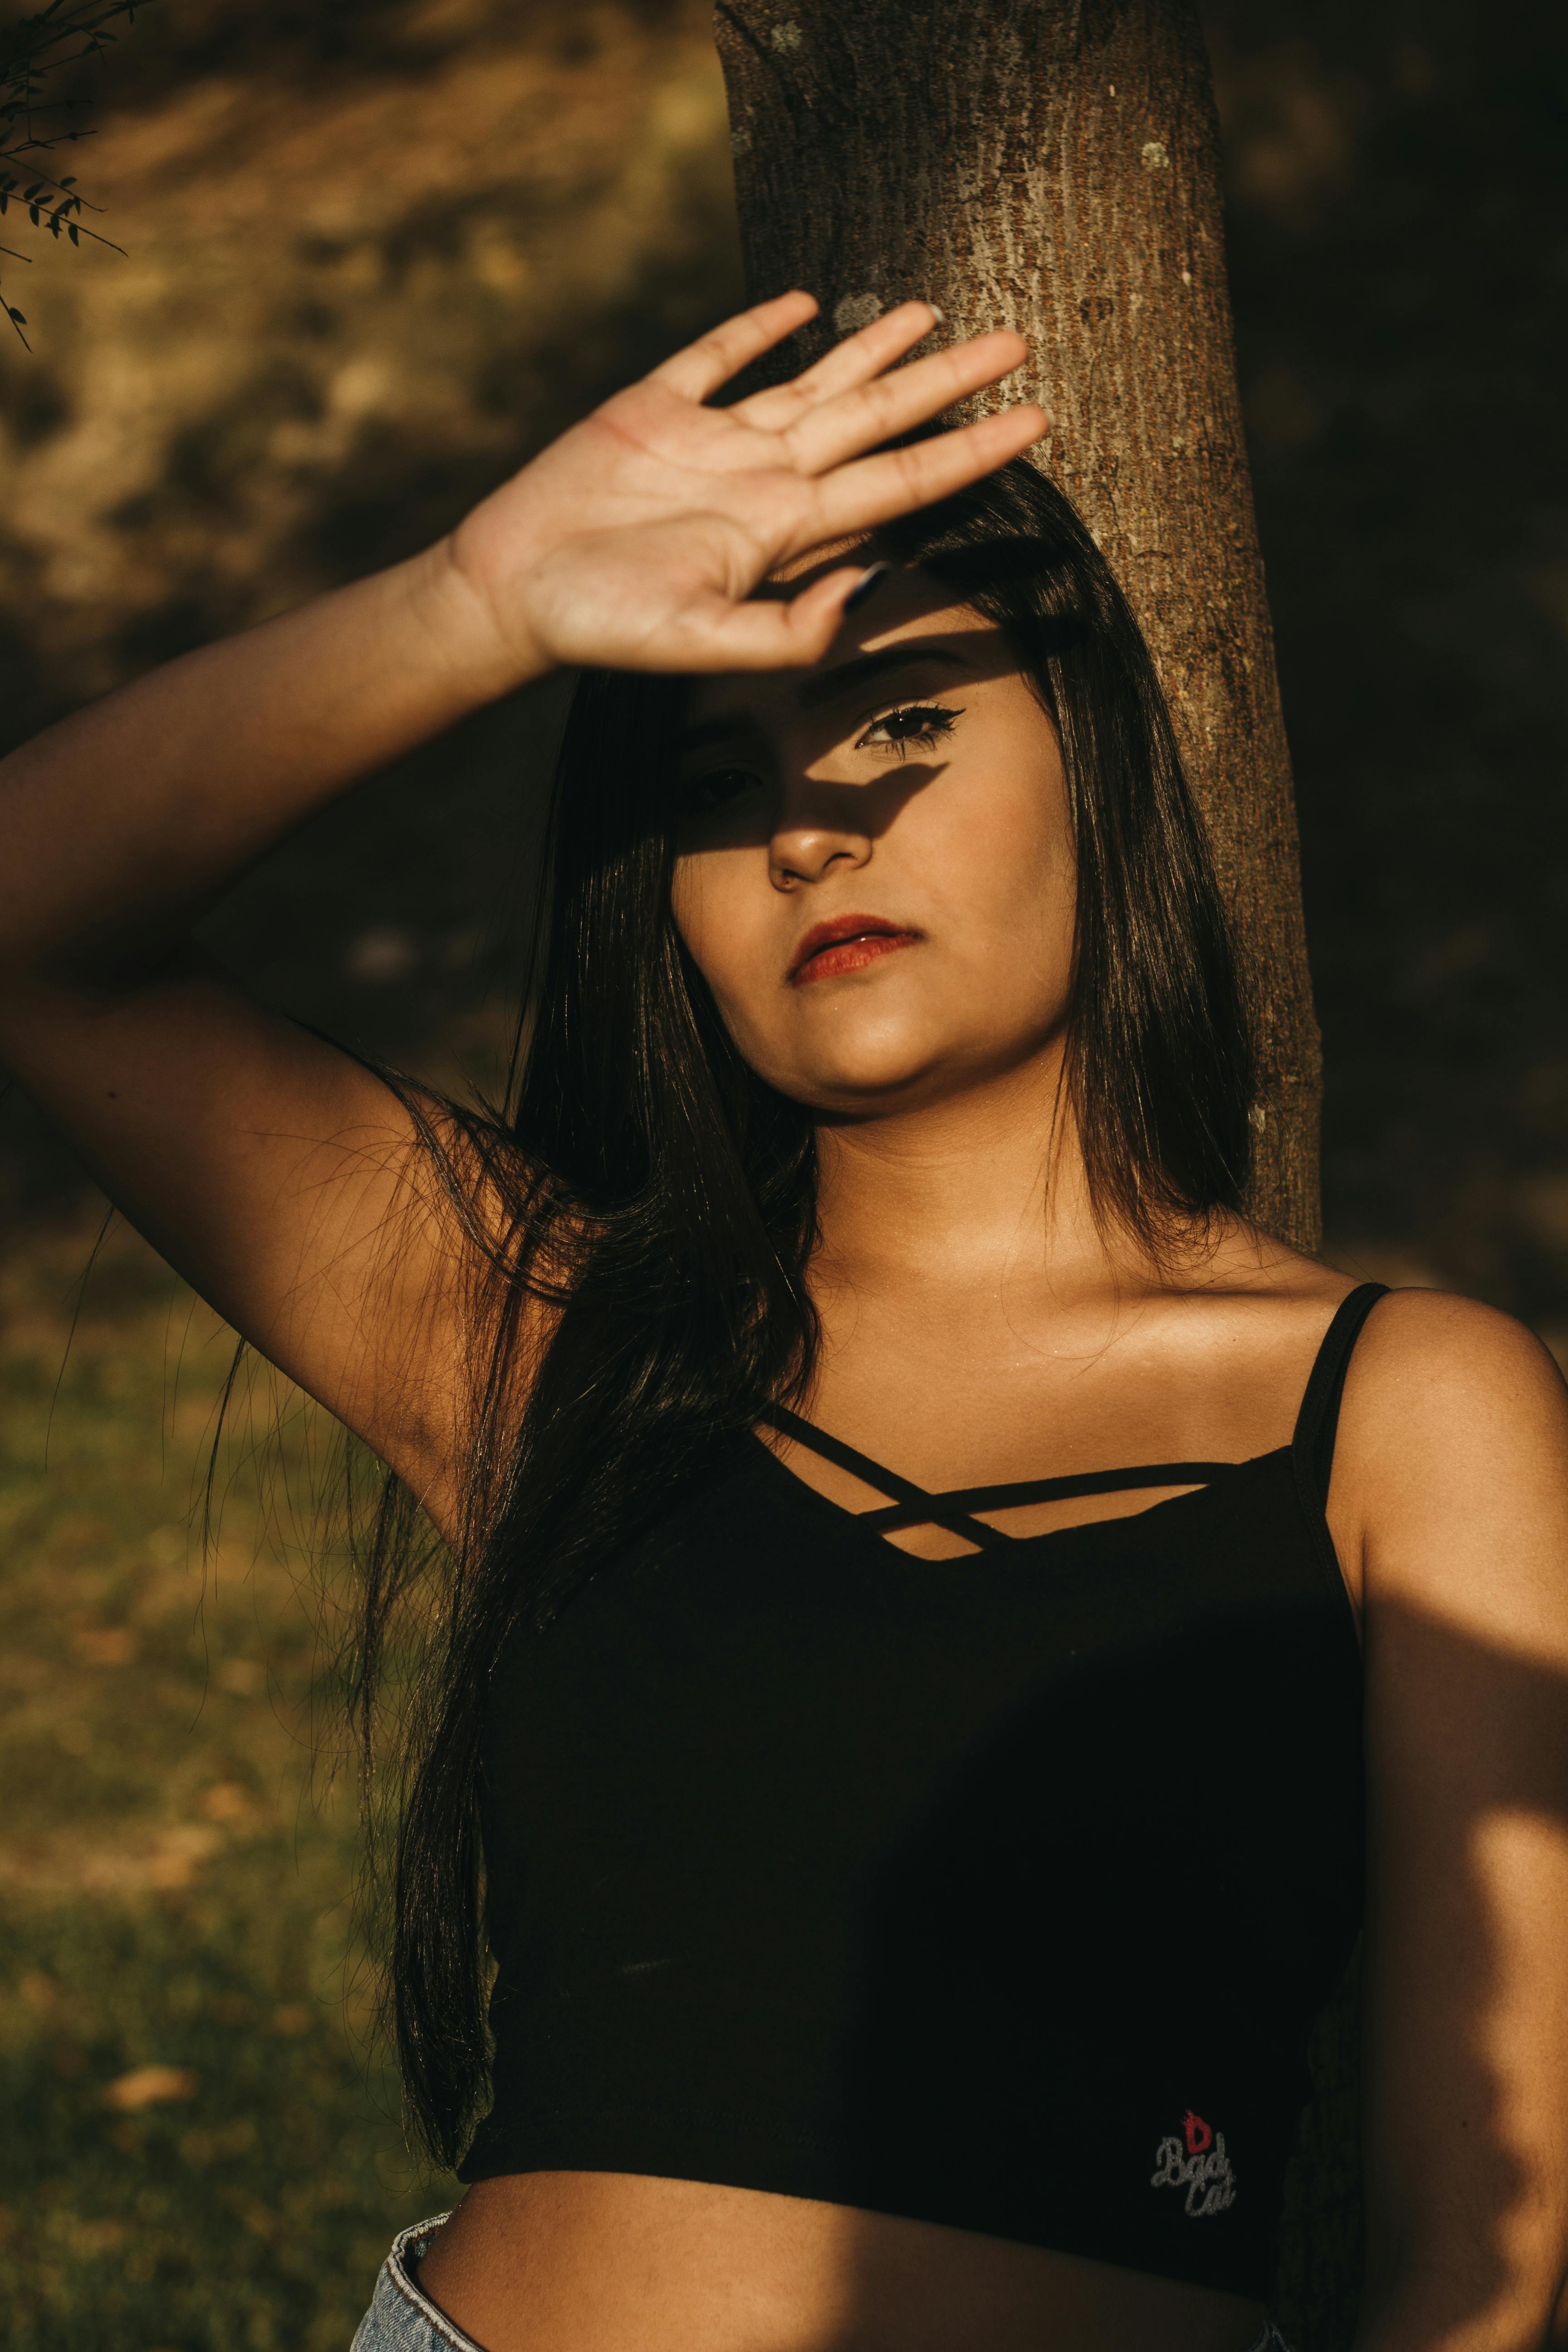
(610, 2262)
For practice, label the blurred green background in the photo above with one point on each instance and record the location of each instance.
(376, 254)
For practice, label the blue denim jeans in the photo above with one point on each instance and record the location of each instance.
(400, 2319)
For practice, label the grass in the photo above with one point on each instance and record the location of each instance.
(200, 2151)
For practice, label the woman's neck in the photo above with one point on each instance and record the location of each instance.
(977, 1187)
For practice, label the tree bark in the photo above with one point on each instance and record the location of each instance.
(1052, 165)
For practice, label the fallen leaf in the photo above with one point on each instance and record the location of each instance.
(134, 1859)
(151, 2087)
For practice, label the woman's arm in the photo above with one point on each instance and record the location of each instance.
(1454, 1459)
(274, 1171)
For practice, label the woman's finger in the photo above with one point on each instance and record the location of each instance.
(853, 361)
(873, 413)
(769, 634)
(856, 499)
(697, 372)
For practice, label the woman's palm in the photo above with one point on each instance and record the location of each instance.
(636, 540)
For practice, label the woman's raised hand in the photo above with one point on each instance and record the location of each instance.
(637, 540)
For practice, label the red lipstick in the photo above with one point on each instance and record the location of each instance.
(846, 943)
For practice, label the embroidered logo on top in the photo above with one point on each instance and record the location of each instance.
(1202, 2168)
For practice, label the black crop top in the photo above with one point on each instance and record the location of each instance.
(1000, 1891)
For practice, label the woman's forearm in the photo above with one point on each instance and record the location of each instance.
(636, 540)
(121, 825)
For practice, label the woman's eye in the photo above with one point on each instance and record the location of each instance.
(705, 796)
(914, 726)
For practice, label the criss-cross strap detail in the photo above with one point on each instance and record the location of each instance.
(924, 1509)
(952, 1508)
(1046, 1490)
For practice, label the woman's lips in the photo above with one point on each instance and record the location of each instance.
(848, 943)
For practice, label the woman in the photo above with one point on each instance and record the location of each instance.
(915, 1542)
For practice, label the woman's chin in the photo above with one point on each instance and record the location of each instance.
(869, 1087)
(884, 1078)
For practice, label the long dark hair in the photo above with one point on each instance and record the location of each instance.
(647, 1202)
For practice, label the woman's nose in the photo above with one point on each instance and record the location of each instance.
(815, 831)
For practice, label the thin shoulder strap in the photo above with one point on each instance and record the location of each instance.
(888, 1482)
(1319, 1419)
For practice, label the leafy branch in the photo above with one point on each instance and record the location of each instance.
(51, 41)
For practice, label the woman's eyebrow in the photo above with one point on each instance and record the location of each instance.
(826, 684)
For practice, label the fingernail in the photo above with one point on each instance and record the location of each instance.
(938, 313)
(866, 587)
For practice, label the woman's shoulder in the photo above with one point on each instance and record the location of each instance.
(1439, 1365)
(1418, 1338)
(1432, 1376)
(1452, 1465)
(1449, 1497)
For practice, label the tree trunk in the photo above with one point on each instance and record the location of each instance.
(1052, 165)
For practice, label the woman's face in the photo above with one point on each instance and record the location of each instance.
(875, 869)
